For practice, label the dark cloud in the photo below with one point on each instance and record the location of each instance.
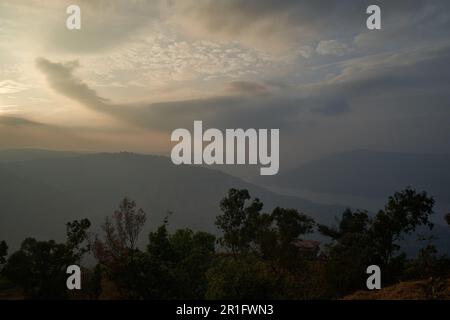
(18, 121)
(309, 22)
(60, 77)
(250, 109)
(250, 106)
(394, 77)
(400, 74)
(247, 87)
(332, 107)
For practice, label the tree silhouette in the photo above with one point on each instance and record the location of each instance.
(447, 218)
(360, 241)
(121, 233)
(3, 252)
(404, 212)
(39, 267)
(238, 221)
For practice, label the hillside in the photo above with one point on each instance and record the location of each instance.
(408, 290)
(372, 174)
(12, 155)
(39, 196)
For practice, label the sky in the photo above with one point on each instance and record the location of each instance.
(139, 69)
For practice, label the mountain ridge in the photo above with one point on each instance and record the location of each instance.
(52, 191)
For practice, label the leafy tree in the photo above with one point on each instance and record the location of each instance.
(404, 212)
(78, 239)
(39, 267)
(428, 264)
(117, 253)
(276, 239)
(238, 221)
(3, 252)
(92, 281)
(290, 225)
(447, 218)
(194, 254)
(349, 254)
(173, 267)
(121, 233)
(242, 277)
(246, 229)
(360, 241)
(251, 235)
(351, 223)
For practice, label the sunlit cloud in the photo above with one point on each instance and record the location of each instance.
(142, 68)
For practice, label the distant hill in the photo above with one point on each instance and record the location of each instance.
(39, 196)
(372, 174)
(11, 155)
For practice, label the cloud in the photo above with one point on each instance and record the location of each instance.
(354, 87)
(105, 24)
(305, 51)
(247, 88)
(267, 23)
(332, 107)
(333, 48)
(60, 77)
(296, 25)
(250, 105)
(249, 109)
(18, 122)
(11, 86)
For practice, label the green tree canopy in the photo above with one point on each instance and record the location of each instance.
(39, 267)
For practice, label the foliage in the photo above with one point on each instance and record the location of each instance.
(3, 252)
(238, 221)
(404, 212)
(244, 277)
(39, 267)
(263, 255)
(121, 233)
(360, 240)
(117, 252)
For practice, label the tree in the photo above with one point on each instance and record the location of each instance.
(78, 239)
(360, 240)
(193, 256)
(172, 267)
(120, 234)
(269, 239)
(117, 253)
(3, 252)
(93, 284)
(277, 234)
(447, 218)
(351, 223)
(349, 254)
(241, 277)
(404, 212)
(39, 267)
(238, 221)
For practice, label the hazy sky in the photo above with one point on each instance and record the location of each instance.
(139, 69)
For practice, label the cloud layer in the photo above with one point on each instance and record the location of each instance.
(309, 68)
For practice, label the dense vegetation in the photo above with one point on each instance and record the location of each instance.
(259, 255)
